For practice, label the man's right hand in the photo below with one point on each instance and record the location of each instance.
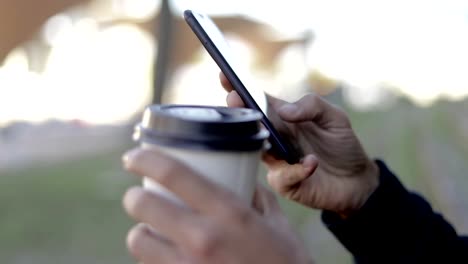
(335, 172)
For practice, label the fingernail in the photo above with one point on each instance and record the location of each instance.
(309, 163)
(288, 109)
(130, 155)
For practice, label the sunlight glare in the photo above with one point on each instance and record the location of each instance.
(199, 83)
(418, 46)
(19, 89)
(136, 9)
(56, 29)
(95, 76)
(108, 89)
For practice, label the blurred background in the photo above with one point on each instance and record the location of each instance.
(76, 74)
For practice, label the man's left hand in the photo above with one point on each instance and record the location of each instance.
(215, 226)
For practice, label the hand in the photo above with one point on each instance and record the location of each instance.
(216, 227)
(335, 173)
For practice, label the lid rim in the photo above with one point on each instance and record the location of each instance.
(233, 146)
(251, 115)
(233, 129)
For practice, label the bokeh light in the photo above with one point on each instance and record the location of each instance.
(421, 54)
(74, 85)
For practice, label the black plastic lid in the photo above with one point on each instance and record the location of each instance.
(202, 127)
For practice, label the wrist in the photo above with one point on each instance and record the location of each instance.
(372, 175)
(367, 184)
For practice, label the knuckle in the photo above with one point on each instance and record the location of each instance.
(272, 180)
(311, 98)
(275, 180)
(165, 173)
(343, 117)
(243, 216)
(205, 242)
(237, 213)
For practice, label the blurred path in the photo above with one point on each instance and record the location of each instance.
(24, 144)
(444, 159)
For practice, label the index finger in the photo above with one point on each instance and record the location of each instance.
(197, 192)
(225, 82)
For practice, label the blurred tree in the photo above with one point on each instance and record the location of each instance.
(20, 19)
(321, 83)
(164, 24)
(178, 44)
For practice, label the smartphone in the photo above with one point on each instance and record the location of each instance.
(214, 42)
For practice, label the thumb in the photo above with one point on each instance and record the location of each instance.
(313, 108)
(282, 176)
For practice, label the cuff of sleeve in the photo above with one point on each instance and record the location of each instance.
(362, 229)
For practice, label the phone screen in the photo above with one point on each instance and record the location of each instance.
(214, 42)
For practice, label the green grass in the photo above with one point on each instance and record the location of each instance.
(71, 212)
(66, 213)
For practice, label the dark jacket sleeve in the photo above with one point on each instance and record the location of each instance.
(397, 226)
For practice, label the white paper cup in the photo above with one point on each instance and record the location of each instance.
(222, 144)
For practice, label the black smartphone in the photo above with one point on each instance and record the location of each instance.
(214, 42)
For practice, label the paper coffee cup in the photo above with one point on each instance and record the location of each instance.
(222, 144)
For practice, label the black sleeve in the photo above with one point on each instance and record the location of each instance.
(397, 226)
